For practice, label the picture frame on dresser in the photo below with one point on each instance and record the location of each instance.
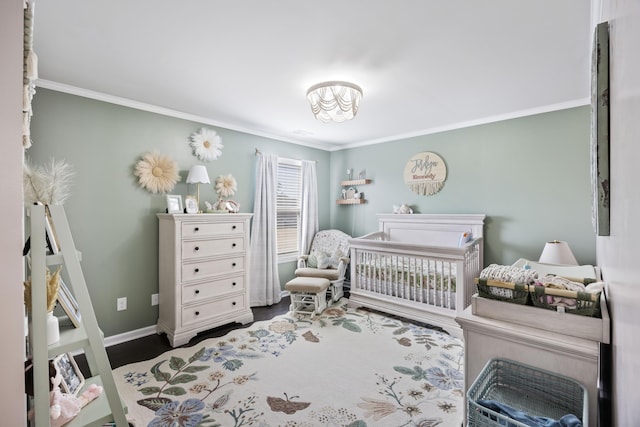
(190, 205)
(174, 203)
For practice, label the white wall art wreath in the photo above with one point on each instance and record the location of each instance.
(206, 144)
(157, 173)
(425, 173)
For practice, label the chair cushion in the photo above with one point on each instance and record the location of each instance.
(329, 274)
(307, 284)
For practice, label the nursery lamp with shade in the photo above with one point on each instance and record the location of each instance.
(557, 252)
(198, 175)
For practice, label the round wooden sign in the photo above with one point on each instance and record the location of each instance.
(425, 173)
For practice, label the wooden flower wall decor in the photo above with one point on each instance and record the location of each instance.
(425, 173)
(206, 144)
(157, 173)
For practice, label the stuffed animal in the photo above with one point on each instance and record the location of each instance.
(65, 406)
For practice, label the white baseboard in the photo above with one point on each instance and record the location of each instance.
(130, 335)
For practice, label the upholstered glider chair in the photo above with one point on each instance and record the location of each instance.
(328, 258)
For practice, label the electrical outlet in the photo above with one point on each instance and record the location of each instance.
(122, 303)
(154, 299)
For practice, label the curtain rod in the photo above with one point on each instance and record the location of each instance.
(288, 158)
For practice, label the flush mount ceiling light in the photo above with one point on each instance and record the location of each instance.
(334, 101)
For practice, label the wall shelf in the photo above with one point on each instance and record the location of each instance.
(351, 183)
(355, 182)
(350, 201)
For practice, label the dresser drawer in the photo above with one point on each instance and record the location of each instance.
(202, 312)
(207, 290)
(203, 269)
(197, 229)
(203, 248)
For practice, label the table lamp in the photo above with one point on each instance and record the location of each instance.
(557, 252)
(198, 175)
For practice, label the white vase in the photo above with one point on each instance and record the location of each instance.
(53, 331)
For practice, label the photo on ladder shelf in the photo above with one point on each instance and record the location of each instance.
(72, 378)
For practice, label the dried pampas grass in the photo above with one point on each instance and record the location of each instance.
(157, 173)
(53, 285)
(49, 184)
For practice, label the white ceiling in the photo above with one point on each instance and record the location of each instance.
(424, 65)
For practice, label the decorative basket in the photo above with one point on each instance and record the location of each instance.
(582, 303)
(517, 293)
(534, 391)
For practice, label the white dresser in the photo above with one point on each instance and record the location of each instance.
(203, 273)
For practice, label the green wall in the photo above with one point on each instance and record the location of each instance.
(530, 176)
(112, 219)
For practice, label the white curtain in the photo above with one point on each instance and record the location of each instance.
(309, 206)
(264, 286)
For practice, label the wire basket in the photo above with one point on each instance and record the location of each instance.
(517, 293)
(534, 391)
(582, 303)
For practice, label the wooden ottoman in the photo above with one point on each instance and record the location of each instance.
(308, 295)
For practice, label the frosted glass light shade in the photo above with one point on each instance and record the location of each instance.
(557, 252)
(198, 175)
(334, 101)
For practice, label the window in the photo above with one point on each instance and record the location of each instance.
(289, 193)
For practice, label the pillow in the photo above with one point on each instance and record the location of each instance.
(312, 261)
(334, 261)
(323, 261)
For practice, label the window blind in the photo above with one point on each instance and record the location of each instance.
(289, 194)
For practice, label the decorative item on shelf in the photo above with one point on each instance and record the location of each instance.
(53, 286)
(206, 144)
(402, 209)
(226, 186)
(358, 195)
(349, 174)
(362, 174)
(198, 175)
(334, 101)
(157, 173)
(557, 252)
(351, 192)
(48, 184)
(425, 173)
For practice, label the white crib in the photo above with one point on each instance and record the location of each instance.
(418, 266)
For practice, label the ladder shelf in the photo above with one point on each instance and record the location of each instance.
(107, 407)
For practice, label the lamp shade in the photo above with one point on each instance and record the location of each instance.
(334, 101)
(557, 252)
(198, 175)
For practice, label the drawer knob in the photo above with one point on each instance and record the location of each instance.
(233, 265)
(233, 246)
(233, 227)
(196, 229)
(233, 303)
(197, 291)
(197, 248)
(197, 313)
(233, 284)
(196, 270)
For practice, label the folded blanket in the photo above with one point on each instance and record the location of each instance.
(568, 420)
(555, 282)
(506, 273)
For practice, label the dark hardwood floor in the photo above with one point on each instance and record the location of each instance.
(153, 345)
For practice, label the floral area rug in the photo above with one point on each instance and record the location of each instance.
(344, 368)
